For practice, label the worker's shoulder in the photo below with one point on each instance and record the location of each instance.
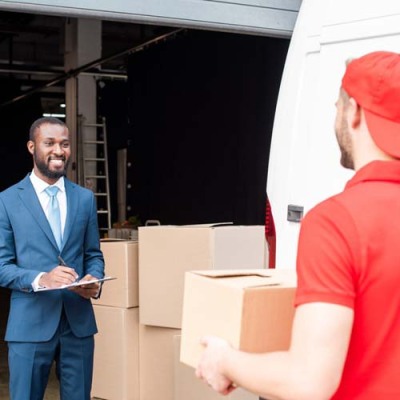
(355, 205)
(339, 209)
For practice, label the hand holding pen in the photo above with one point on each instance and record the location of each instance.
(64, 264)
(59, 276)
(86, 291)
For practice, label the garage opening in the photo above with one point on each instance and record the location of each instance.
(192, 115)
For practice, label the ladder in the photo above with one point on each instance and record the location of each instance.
(94, 168)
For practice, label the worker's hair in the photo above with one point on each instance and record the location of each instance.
(41, 121)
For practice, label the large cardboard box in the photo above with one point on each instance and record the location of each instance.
(167, 252)
(187, 386)
(156, 363)
(121, 261)
(252, 310)
(116, 356)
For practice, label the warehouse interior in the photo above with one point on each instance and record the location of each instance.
(191, 109)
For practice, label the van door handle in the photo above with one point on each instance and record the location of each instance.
(295, 213)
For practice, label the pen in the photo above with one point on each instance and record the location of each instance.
(64, 264)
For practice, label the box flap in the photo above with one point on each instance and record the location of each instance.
(231, 273)
(247, 279)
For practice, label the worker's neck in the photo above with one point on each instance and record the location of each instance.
(365, 159)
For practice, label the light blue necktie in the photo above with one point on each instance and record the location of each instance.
(54, 214)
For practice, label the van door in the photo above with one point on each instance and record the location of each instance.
(304, 164)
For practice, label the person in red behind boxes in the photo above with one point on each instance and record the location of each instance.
(345, 337)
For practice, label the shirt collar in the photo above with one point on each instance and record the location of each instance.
(40, 185)
(388, 171)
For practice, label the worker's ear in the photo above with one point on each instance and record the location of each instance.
(353, 114)
(31, 146)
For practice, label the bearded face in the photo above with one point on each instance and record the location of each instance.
(53, 167)
(51, 151)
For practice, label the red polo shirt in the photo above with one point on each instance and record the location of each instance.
(349, 254)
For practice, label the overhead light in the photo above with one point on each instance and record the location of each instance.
(54, 115)
(62, 105)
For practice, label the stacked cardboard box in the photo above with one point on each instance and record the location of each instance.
(166, 253)
(116, 360)
(156, 362)
(138, 355)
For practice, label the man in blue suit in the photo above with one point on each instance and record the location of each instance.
(49, 325)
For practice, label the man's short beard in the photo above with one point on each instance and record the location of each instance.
(43, 168)
(345, 146)
(346, 159)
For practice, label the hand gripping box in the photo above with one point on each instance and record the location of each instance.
(188, 387)
(252, 309)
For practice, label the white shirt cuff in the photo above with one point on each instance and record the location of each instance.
(35, 283)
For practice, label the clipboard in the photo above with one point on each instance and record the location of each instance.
(78, 283)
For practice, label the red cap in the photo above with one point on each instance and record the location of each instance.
(373, 81)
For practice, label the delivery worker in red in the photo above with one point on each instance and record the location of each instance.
(346, 332)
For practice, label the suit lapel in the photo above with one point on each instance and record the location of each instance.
(29, 198)
(72, 209)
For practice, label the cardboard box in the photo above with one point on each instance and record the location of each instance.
(121, 261)
(156, 363)
(187, 386)
(167, 252)
(116, 357)
(252, 310)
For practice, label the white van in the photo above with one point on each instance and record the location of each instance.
(304, 164)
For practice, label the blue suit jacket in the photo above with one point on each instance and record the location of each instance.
(28, 247)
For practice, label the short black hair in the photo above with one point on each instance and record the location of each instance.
(44, 120)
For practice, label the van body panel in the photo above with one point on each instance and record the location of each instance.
(304, 163)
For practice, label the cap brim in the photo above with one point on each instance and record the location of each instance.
(385, 133)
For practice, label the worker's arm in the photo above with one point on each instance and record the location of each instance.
(311, 369)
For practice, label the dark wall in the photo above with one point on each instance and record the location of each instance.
(201, 113)
(113, 105)
(201, 110)
(16, 119)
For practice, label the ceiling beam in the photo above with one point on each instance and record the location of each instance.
(84, 68)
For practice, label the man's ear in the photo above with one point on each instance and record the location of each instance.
(31, 146)
(353, 114)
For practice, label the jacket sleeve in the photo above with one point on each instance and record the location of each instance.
(11, 275)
